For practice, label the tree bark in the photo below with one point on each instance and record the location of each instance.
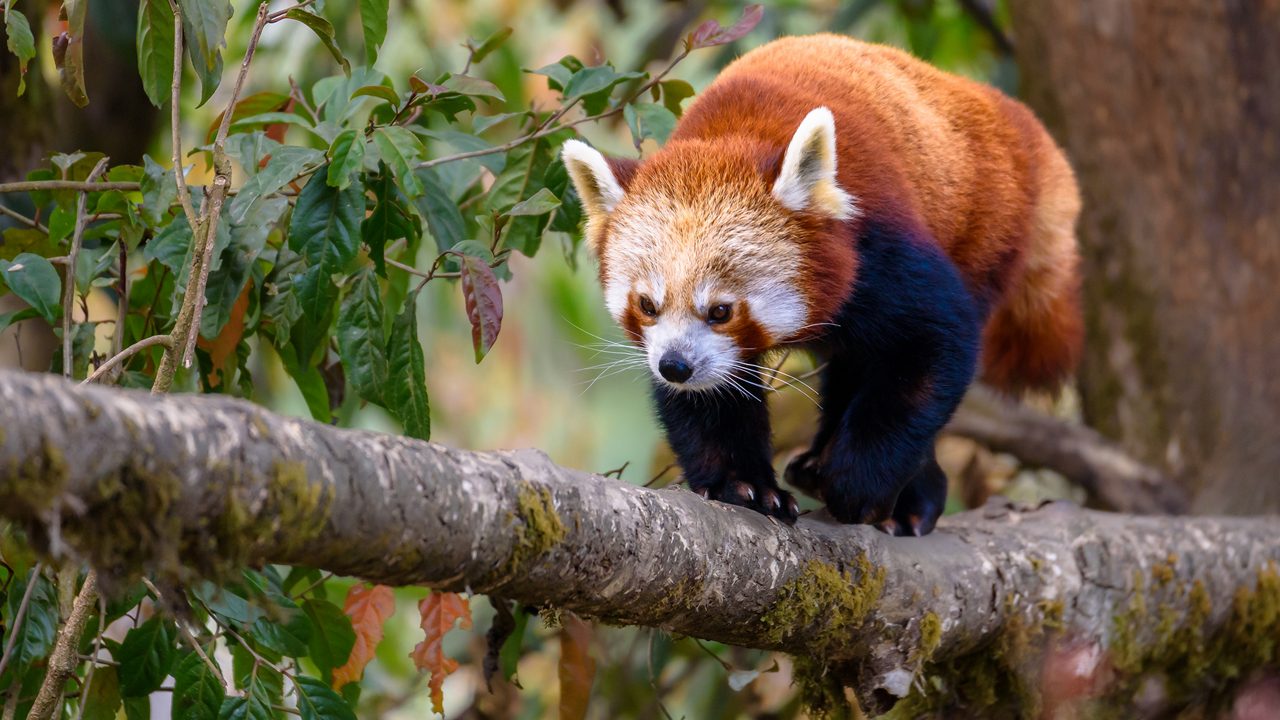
(186, 487)
(1170, 113)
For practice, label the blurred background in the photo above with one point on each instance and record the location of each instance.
(1170, 117)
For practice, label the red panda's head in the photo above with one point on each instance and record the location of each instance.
(702, 248)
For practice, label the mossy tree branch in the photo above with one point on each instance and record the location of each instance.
(191, 487)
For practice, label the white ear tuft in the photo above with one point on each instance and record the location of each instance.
(596, 184)
(808, 177)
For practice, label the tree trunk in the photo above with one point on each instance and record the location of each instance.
(1004, 607)
(1170, 112)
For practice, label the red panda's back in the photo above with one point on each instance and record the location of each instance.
(971, 165)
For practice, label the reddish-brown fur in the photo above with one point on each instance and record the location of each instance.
(919, 148)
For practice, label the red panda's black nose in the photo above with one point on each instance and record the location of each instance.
(674, 368)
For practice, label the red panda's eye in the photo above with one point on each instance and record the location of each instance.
(719, 314)
(646, 306)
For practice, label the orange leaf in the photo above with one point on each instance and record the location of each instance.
(222, 349)
(577, 668)
(368, 607)
(439, 610)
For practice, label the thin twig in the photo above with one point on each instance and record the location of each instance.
(73, 185)
(18, 617)
(97, 648)
(122, 305)
(123, 355)
(543, 130)
(29, 222)
(69, 287)
(175, 113)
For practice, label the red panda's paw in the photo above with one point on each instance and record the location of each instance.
(804, 473)
(920, 503)
(763, 496)
(860, 507)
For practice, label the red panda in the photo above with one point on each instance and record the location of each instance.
(907, 225)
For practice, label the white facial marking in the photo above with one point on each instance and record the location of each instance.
(778, 307)
(709, 353)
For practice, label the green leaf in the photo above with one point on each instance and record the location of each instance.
(373, 21)
(280, 306)
(390, 219)
(204, 26)
(483, 298)
(317, 702)
(310, 383)
(137, 708)
(360, 340)
(286, 635)
(159, 191)
(325, 230)
(403, 151)
(33, 279)
(62, 222)
(35, 637)
(325, 227)
(491, 43)
(17, 316)
(20, 42)
(346, 156)
(197, 691)
(443, 217)
(509, 655)
(381, 92)
(675, 92)
(649, 120)
(522, 178)
(541, 203)
(68, 51)
(406, 393)
(146, 657)
(323, 30)
(103, 699)
(333, 638)
(248, 239)
(286, 164)
(155, 50)
(474, 87)
(593, 85)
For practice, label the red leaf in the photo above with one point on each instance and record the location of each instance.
(483, 297)
(439, 611)
(577, 668)
(368, 607)
(710, 33)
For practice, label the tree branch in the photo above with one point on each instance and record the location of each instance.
(1107, 473)
(199, 486)
(69, 287)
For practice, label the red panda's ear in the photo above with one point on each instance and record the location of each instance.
(600, 182)
(807, 180)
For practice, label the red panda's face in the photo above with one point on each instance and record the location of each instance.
(700, 256)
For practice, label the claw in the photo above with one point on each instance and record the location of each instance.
(772, 501)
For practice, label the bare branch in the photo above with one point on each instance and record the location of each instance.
(29, 222)
(64, 659)
(1078, 453)
(175, 116)
(69, 287)
(74, 185)
(123, 355)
